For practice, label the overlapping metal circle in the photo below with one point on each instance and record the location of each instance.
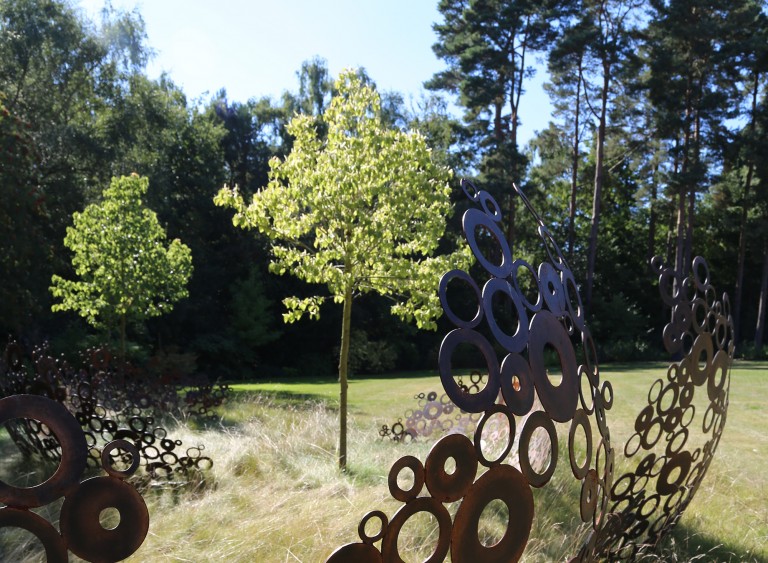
(81, 530)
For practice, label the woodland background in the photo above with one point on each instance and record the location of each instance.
(655, 147)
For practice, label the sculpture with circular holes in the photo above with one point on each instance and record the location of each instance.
(675, 434)
(82, 531)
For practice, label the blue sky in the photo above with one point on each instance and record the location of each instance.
(254, 48)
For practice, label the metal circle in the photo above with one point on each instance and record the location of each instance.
(414, 464)
(74, 450)
(519, 399)
(474, 218)
(443, 293)
(504, 483)
(495, 409)
(123, 445)
(580, 418)
(474, 402)
(559, 402)
(537, 419)
(53, 543)
(589, 494)
(82, 530)
(470, 190)
(450, 487)
(365, 538)
(518, 341)
(490, 206)
(517, 264)
(355, 553)
(422, 504)
(551, 288)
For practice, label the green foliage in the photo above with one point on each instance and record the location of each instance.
(361, 210)
(126, 269)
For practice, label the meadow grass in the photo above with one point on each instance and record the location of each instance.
(275, 493)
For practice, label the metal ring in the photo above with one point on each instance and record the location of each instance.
(474, 218)
(365, 538)
(414, 464)
(83, 531)
(537, 419)
(123, 445)
(389, 549)
(74, 451)
(443, 294)
(450, 487)
(475, 402)
(495, 409)
(504, 483)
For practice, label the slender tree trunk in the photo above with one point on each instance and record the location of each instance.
(574, 171)
(346, 325)
(763, 304)
(743, 221)
(122, 339)
(651, 252)
(598, 193)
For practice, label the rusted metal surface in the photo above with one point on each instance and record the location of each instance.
(549, 317)
(676, 433)
(81, 530)
(111, 401)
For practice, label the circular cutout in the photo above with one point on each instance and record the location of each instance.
(383, 521)
(559, 402)
(517, 384)
(124, 445)
(580, 419)
(470, 402)
(505, 483)
(74, 450)
(447, 487)
(443, 293)
(496, 409)
(82, 530)
(537, 419)
(53, 543)
(471, 221)
(389, 549)
(517, 341)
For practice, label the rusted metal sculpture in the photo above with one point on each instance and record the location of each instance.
(671, 448)
(677, 433)
(434, 415)
(112, 402)
(553, 319)
(81, 530)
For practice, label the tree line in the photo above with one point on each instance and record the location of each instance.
(653, 149)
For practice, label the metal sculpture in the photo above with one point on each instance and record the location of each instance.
(579, 397)
(81, 530)
(434, 415)
(627, 514)
(112, 402)
(672, 447)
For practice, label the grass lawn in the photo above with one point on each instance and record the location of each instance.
(274, 493)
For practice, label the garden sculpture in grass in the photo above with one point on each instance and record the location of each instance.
(623, 516)
(111, 402)
(435, 415)
(81, 528)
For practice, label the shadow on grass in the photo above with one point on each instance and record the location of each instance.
(684, 543)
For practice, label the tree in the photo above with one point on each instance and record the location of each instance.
(126, 270)
(485, 44)
(359, 211)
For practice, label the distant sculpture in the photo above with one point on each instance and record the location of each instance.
(622, 515)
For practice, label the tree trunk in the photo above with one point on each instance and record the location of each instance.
(346, 325)
(574, 171)
(598, 194)
(743, 222)
(761, 308)
(122, 339)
